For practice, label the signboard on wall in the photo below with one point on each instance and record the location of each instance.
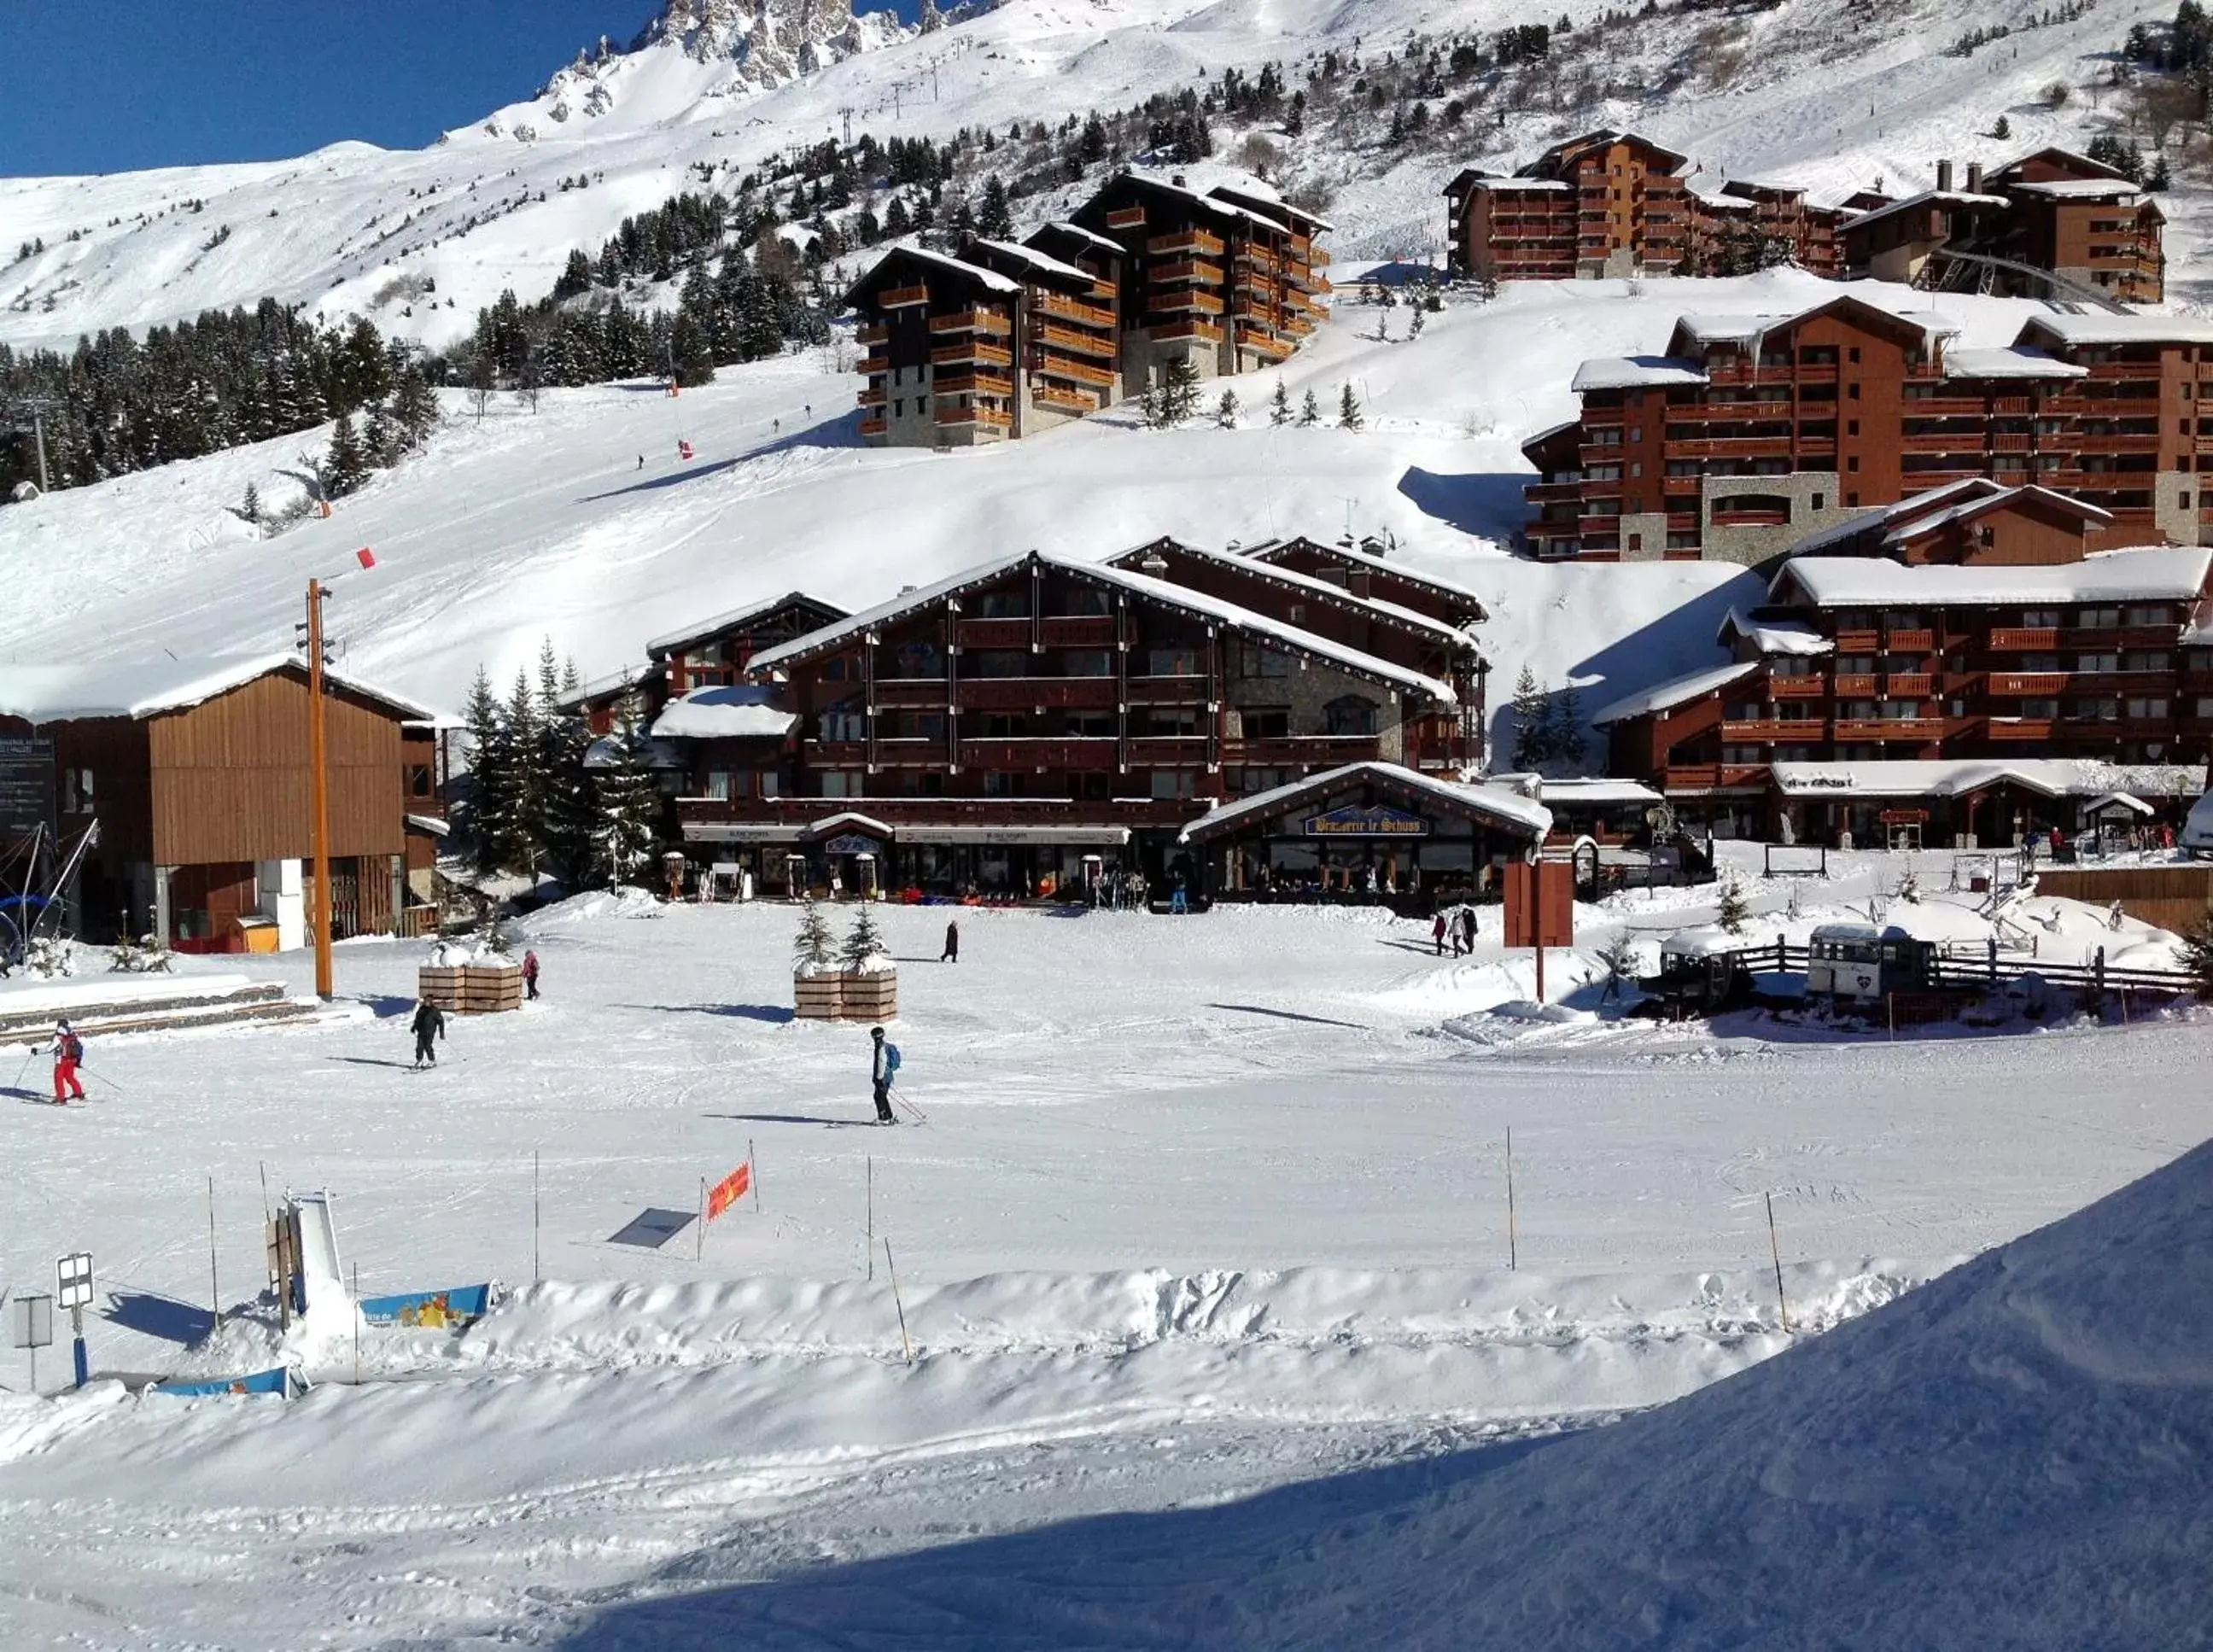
(1376, 820)
(27, 786)
(852, 843)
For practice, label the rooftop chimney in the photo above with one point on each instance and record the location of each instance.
(1974, 177)
(1155, 564)
(1944, 174)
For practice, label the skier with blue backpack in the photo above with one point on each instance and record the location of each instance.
(881, 1070)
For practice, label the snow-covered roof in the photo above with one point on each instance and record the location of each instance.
(1632, 372)
(1031, 258)
(1676, 691)
(676, 642)
(430, 824)
(1771, 637)
(2106, 329)
(1955, 777)
(2009, 362)
(1264, 199)
(1726, 329)
(2078, 188)
(1267, 549)
(742, 711)
(989, 280)
(148, 688)
(1159, 590)
(609, 684)
(1495, 180)
(1252, 567)
(2146, 574)
(1063, 227)
(2120, 799)
(1703, 940)
(1589, 790)
(1212, 202)
(605, 752)
(1932, 197)
(1904, 511)
(1508, 807)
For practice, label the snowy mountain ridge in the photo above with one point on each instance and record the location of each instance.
(418, 240)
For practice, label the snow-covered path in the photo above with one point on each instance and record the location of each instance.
(1201, 1206)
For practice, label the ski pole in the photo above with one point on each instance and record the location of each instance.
(104, 1079)
(23, 1071)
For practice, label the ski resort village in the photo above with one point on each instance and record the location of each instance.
(1127, 825)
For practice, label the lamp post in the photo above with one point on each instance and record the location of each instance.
(318, 913)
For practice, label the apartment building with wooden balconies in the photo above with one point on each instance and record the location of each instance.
(1005, 724)
(1606, 203)
(1229, 281)
(942, 338)
(1748, 433)
(1964, 651)
(2052, 213)
(1746, 225)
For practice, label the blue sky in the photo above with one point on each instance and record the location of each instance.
(124, 83)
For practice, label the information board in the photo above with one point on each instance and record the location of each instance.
(27, 786)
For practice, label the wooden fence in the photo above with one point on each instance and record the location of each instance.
(1989, 967)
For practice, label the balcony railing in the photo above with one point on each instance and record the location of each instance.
(973, 320)
(2039, 684)
(871, 335)
(1796, 688)
(1069, 309)
(901, 297)
(1028, 694)
(1191, 270)
(1186, 241)
(976, 350)
(1879, 728)
(1060, 367)
(874, 427)
(988, 418)
(1172, 331)
(1127, 217)
(1910, 642)
(2023, 639)
(1069, 339)
(980, 384)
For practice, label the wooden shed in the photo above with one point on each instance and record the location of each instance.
(197, 775)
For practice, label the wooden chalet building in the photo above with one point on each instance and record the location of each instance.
(1907, 664)
(2052, 213)
(711, 654)
(1368, 570)
(1749, 432)
(1746, 225)
(1227, 280)
(1003, 340)
(197, 778)
(996, 729)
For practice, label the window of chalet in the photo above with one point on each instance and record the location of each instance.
(912, 725)
(1088, 725)
(1001, 663)
(1172, 783)
(841, 669)
(1176, 660)
(718, 785)
(2039, 619)
(1012, 603)
(2150, 614)
(2100, 619)
(844, 720)
(1004, 725)
(1267, 722)
(1349, 714)
(1088, 662)
(917, 658)
(1171, 720)
(2143, 709)
(2147, 659)
(1258, 660)
(1081, 601)
(839, 783)
(770, 783)
(419, 782)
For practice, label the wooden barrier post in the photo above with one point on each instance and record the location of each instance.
(869, 1245)
(535, 1203)
(700, 1247)
(1512, 1244)
(215, 1290)
(753, 1173)
(892, 1268)
(1775, 1249)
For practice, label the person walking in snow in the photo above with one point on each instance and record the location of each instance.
(1467, 923)
(640, 462)
(1438, 934)
(882, 1065)
(952, 952)
(68, 1052)
(530, 974)
(429, 1026)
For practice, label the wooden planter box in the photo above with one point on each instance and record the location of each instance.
(470, 988)
(837, 995)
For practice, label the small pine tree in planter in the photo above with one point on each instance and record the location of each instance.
(868, 983)
(1908, 888)
(817, 988)
(1734, 908)
(863, 951)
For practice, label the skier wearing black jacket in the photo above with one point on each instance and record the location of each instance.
(429, 1025)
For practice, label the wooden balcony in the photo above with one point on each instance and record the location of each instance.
(1193, 240)
(1128, 217)
(1076, 630)
(990, 419)
(2037, 684)
(870, 398)
(1798, 731)
(912, 690)
(1909, 642)
(876, 334)
(1057, 399)
(1880, 729)
(1184, 689)
(1549, 493)
(1172, 331)
(874, 427)
(1323, 751)
(2038, 730)
(1796, 688)
(1013, 632)
(1186, 300)
(1188, 270)
(1048, 752)
(1713, 776)
(1051, 366)
(1037, 693)
(977, 384)
(1918, 685)
(899, 298)
(1069, 339)
(1166, 751)
(974, 319)
(1854, 686)
(2023, 639)
(978, 349)
(1268, 344)
(874, 364)
(1069, 309)
(1856, 641)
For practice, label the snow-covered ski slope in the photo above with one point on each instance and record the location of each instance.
(1836, 96)
(520, 526)
(1204, 1208)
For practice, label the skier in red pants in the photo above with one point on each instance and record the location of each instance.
(68, 1050)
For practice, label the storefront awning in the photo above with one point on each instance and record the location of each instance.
(717, 831)
(1013, 834)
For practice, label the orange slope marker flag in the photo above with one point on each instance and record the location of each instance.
(729, 1191)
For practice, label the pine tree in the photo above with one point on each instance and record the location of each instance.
(488, 773)
(249, 507)
(1348, 410)
(1148, 408)
(1908, 888)
(1279, 405)
(995, 219)
(813, 946)
(1179, 390)
(1563, 726)
(1225, 410)
(1532, 726)
(1309, 411)
(863, 942)
(1414, 326)
(2003, 130)
(1735, 908)
(2162, 178)
(629, 804)
(2195, 952)
(345, 467)
(528, 783)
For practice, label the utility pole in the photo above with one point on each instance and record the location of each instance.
(320, 917)
(37, 407)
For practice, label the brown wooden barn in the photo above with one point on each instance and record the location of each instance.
(197, 775)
